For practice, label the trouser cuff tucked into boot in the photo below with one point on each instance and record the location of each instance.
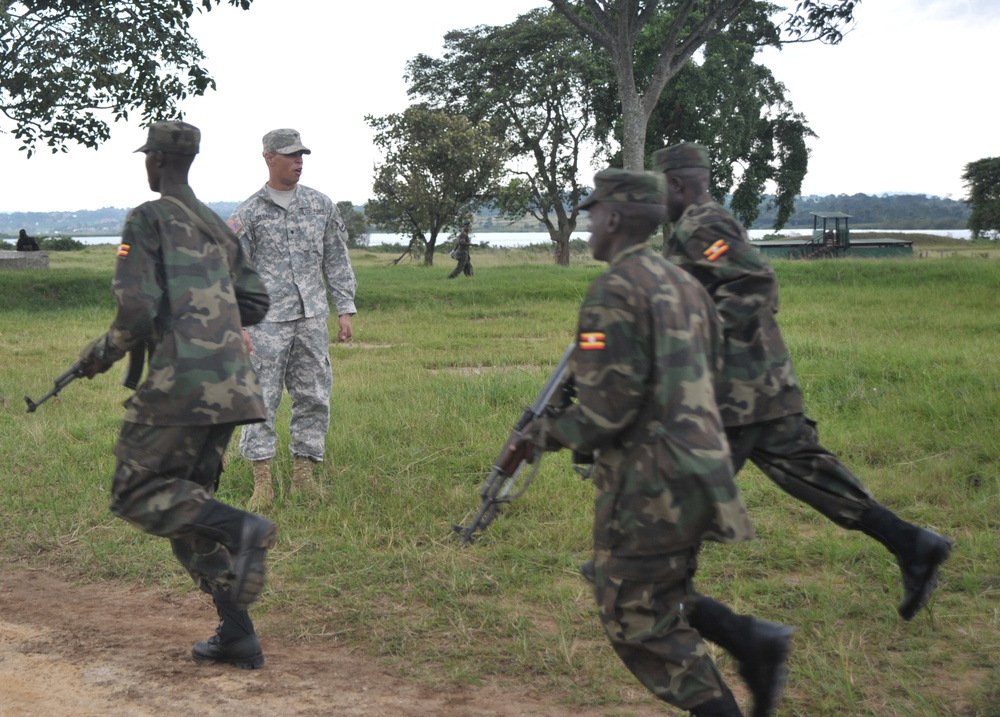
(761, 648)
(919, 553)
(724, 706)
(234, 642)
(248, 537)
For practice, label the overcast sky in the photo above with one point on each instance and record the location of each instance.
(907, 99)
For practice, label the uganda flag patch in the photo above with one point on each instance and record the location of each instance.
(234, 224)
(716, 250)
(592, 341)
(123, 251)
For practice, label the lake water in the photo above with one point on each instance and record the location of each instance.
(514, 239)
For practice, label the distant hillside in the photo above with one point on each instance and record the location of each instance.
(891, 211)
(85, 222)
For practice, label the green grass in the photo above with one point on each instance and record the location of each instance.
(899, 361)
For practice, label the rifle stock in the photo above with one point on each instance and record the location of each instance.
(510, 476)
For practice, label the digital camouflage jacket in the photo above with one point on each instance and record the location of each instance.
(294, 250)
(757, 382)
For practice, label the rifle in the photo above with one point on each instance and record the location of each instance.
(507, 482)
(75, 371)
(137, 357)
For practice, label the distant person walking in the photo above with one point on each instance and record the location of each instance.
(26, 243)
(462, 246)
(298, 240)
(759, 396)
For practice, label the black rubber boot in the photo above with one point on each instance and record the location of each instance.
(761, 648)
(235, 642)
(248, 537)
(919, 553)
(724, 706)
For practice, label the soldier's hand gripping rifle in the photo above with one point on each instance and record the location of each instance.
(512, 473)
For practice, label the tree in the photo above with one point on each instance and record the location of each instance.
(982, 178)
(357, 225)
(533, 82)
(64, 61)
(738, 109)
(438, 167)
(615, 26)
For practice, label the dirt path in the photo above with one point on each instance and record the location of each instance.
(117, 651)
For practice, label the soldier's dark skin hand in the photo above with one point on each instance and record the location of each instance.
(91, 367)
(91, 363)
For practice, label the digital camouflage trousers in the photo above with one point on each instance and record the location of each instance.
(293, 355)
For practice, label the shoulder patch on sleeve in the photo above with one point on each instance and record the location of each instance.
(716, 250)
(234, 224)
(123, 251)
(592, 341)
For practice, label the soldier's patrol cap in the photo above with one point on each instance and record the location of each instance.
(626, 187)
(284, 141)
(681, 156)
(173, 138)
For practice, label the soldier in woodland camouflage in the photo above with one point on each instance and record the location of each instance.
(184, 288)
(647, 350)
(298, 240)
(759, 396)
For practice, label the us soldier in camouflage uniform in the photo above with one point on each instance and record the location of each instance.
(643, 367)
(184, 288)
(759, 396)
(462, 256)
(297, 238)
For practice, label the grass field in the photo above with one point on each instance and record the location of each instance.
(899, 362)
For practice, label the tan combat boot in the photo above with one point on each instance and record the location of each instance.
(302, 474)
(263, 489)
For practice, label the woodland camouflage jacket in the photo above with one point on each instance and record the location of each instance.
(757, 382)
(186, 295)
(643, 367)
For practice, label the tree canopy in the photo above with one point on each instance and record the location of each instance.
(65, 65)
(737, 108)
(437, 167)
(533, 82)
(982, 178)
(686, 25)
(357, 225)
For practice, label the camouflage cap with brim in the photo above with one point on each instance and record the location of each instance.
(681, 156)
(172, 138)
(626, 187)
(284, 141)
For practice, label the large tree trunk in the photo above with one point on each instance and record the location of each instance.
(634, 122)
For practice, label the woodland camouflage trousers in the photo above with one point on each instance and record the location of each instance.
(787, 450)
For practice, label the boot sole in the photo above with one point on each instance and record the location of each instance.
(939, 553)
(244, 663)
(258, 536)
